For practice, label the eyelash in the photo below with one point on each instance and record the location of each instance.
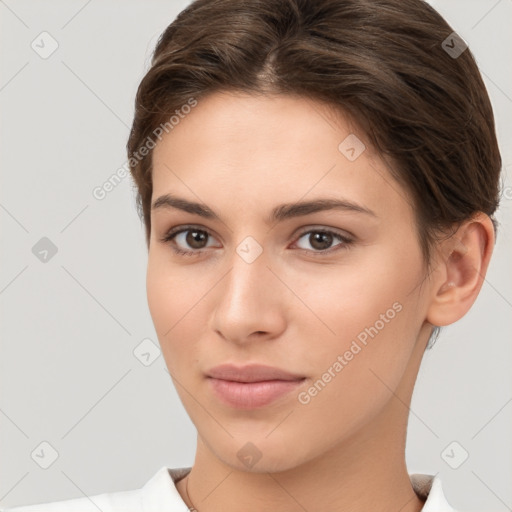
(172, 233)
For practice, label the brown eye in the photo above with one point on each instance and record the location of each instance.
(188, 241)
(321, 241)
(196, 238)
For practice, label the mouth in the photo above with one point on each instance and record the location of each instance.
(252, 386)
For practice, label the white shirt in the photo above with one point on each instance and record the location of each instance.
(159, 494)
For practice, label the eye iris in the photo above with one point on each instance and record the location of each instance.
(194, 238)
(325, 240)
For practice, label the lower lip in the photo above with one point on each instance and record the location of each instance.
(250, 395)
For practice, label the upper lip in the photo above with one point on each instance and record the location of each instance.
(251, 373)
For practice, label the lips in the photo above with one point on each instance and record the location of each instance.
(251, 386)
(251, 373)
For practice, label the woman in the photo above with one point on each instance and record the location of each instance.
(317, 181)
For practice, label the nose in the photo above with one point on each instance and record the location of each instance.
(249, 304)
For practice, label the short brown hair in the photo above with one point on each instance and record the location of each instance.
(380, 61)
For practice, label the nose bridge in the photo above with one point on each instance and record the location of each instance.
(248, 301)
(249, 273)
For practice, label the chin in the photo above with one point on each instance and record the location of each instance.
(253, 454)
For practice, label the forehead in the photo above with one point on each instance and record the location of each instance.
(244, 150)
(273, 123)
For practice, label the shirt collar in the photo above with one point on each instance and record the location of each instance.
(160, 492)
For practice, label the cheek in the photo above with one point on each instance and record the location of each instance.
(178, 304)
(366, 311)
(170, 292)
(355, 372)
(340, 302)
(159, 293)
(170, 299)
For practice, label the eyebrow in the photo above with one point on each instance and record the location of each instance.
(278, 214)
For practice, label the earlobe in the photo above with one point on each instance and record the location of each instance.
(461, 271)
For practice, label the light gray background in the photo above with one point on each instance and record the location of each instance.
(69, 326)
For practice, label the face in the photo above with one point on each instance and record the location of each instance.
(328, 297)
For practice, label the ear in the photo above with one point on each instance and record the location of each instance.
(462, 264)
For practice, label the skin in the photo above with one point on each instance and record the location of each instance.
(295, 307)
